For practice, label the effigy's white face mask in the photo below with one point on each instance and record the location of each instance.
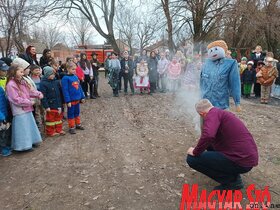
(216, 53)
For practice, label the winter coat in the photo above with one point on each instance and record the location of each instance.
(114, 64)
(79, 72)
(3, 81)
(255, 59)
(95, 68)
(3, 105)
(267, 75)
(174, 70)
(248, 76)
(29, 59)
(71, 88)
(162, 66)
(130, 66)
(152, 65)
(44, 61)
(20, 96)
(52, 92)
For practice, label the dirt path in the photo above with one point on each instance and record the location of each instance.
(131, 156)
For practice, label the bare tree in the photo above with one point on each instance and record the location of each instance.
(82, 30)
(15, 17)
(90, 9)
(50, 35)
(146, 32)
(169, 19)
(126, 24)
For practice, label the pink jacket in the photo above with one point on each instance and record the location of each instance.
(174, 70)
(20, 95)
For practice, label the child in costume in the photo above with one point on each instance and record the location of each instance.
(52, 102)
(220, 77)
(73, 96)
(142, 78)
(266, 77)
(25, 133)
(247, 79)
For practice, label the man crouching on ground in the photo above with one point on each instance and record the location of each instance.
(225, 149)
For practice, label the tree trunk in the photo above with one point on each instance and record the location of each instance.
(165, 5)
(114, 44)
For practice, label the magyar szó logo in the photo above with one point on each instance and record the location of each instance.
(226, 199)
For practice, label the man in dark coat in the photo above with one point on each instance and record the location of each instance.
(152, 65)
(127, 67)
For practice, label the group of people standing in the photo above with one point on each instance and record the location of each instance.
(144, 73)
(34, 97)
(259, 75)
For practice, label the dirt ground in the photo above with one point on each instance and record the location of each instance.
(131, 156)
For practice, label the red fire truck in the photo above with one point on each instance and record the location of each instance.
(102, 51)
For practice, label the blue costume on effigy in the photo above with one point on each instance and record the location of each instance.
(220, 77)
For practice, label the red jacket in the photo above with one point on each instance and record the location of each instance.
(80, 74)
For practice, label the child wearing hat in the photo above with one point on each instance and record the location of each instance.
(5, 129)
(52, 102)
(73, 96)
(247, 79)
(266, 77)
(242, 66)
(3, 73)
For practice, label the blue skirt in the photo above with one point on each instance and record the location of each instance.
(276, 91)
(24, 132)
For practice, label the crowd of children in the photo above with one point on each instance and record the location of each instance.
(258, 75)
(34, 97)
(32, 102)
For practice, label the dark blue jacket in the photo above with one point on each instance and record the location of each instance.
(52, 92)
(248, 76)
(255, 59)
(130, 66)
(71, 88)
(3, 105)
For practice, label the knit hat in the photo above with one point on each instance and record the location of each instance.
(218, 43)
(48, 71)
(7, 60)
(250, 63)
(260, 62)
(3, 66)
(21, 63)
(244, 59)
